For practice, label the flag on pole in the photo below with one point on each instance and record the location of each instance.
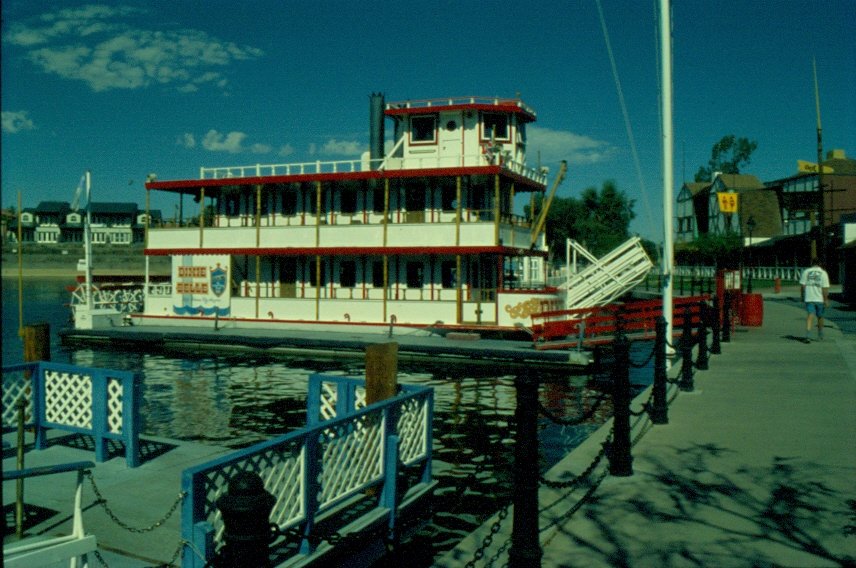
(82, 192)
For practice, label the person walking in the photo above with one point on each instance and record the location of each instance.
(814, 284)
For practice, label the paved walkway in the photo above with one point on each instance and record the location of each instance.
(757, 466)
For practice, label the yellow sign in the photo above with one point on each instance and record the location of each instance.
(727, 202)
(811, 167)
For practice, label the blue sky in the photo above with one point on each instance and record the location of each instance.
(128, 88)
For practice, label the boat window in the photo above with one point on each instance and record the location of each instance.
(448, 274)
(377, 200)
(377, 274)
(494, 126)
(415, 274)
(347, 273)
(448, 198)
(423, 129)
(310, 267)
(289, 202)
(349, 201)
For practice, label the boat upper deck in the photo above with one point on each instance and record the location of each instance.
(331, 170)
(433, 138)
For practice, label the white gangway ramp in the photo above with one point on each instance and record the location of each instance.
(606, 278)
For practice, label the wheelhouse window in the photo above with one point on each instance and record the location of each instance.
(494, 126)
(423, 129)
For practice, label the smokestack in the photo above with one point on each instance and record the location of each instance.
(376, 129)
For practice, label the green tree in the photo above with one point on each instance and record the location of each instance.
(652, 249)
(727, 156)
(600, 220)
(721, 251)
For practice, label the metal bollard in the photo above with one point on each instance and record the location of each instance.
(701, 360)
(525, 551)
(659, 411)
(715, 347)
(246, 508)
(620, 460)
(686, 381)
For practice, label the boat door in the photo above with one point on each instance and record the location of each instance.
(451, 138)
(479, 305)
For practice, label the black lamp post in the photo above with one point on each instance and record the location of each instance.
(750, 225)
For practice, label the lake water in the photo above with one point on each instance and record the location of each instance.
(239, 400)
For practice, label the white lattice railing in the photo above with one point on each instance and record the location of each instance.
(102, 403)
(786, 273)
(346, 448)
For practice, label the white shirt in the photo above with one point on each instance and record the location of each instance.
(814, 280)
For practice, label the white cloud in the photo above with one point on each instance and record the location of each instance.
(217, 142)
(187, 140)
(556, 145)
(335, 147)
(96, 45)
(233, 142)
(16, 121)
(285, 150)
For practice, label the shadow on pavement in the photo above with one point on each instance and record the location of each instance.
(780, 515)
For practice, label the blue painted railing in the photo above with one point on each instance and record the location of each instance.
(345, 449)
(102, 403)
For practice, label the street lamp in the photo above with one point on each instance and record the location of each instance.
(750, 225)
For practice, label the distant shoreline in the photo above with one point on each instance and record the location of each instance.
(70, 273)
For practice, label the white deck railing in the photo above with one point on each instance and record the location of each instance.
(351, 166)
(453, 101)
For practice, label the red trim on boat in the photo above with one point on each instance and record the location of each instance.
(510, 107)
(195, 184)
(345, 251)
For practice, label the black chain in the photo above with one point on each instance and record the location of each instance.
(172, 561)
(571, 483)
(646, 406)
(103, 502)
(488, 540)
(648, 360)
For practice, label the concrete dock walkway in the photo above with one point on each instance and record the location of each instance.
(756, 467)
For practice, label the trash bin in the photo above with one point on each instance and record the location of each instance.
(752, 310)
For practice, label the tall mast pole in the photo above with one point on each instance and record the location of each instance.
(87, 243)
(821, 194)
(668, 175)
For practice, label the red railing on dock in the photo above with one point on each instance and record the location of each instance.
(563, 329)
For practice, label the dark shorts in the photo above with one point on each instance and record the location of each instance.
(814, 308)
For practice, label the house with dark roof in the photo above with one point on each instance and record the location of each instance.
(50, 217)
(54, 222)
(799, 195)
(753, 201)
(691, 211)
(785, 214)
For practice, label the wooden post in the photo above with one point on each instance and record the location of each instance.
(37, 342)
(381, 371)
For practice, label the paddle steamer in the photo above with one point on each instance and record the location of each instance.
(422, 234)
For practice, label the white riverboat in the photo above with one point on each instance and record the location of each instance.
(422, 235)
